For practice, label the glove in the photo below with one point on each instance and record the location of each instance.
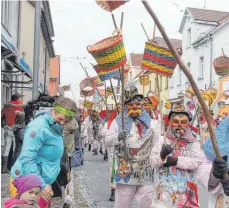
(225, 185)
(165, 151)
(220, 167)
(122, 135)
(171, 161)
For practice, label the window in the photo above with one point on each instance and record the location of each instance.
(189, 38)
(171, 82)
(166, 83)
(179, 76)
(5, 15)
(201, 67)
(155, 85)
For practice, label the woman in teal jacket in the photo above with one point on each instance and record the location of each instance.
(43, 145)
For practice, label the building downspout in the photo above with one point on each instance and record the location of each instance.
(45, 70)
(211, 53)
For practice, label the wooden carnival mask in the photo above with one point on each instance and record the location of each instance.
(134, 107)
(179, 124)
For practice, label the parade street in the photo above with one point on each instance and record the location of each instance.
(89, 185)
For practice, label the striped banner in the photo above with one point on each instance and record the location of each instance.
(158, 60)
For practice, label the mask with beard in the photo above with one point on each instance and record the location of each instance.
(179, 124)
(134, 108)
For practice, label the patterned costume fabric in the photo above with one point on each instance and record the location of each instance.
(222, 136)
(144, 118)
(176, 186)
(142, 134)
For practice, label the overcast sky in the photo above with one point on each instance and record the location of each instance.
(80, 23)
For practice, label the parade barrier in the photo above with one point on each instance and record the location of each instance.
(88, 86)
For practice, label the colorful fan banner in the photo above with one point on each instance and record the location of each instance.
(158, 60)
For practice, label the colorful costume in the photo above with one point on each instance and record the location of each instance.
(134, 175)
(179, 170)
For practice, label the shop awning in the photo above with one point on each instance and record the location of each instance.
(7, 48)
(23, 67)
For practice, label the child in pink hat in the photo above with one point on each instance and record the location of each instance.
(28, 186)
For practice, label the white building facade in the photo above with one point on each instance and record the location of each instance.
(204, 34)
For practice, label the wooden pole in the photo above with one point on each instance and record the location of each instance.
(101, 97)
(105, 94)
(114, 95)
(121, 72)
(145, 31)
(188, 75)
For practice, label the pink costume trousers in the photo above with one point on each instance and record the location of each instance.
(125, 194)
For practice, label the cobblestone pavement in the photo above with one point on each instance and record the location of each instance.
(89, 187)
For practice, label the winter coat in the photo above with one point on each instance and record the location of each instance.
(8, 112)
(41, 151)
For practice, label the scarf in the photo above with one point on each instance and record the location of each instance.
(143, 122)
(188, 136)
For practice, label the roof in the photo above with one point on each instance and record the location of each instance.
(136, 59)
(177, 43)
(209, 15)
(205, 15)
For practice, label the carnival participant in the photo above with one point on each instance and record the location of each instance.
(134, 174)
(43, 147)
(19, 130)
(220, 165)
(88, 129)
(69, 140)
(7, 120)
(176, 159)
(110, 153)
(28, 187)
(150, 105)
(96, 129)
